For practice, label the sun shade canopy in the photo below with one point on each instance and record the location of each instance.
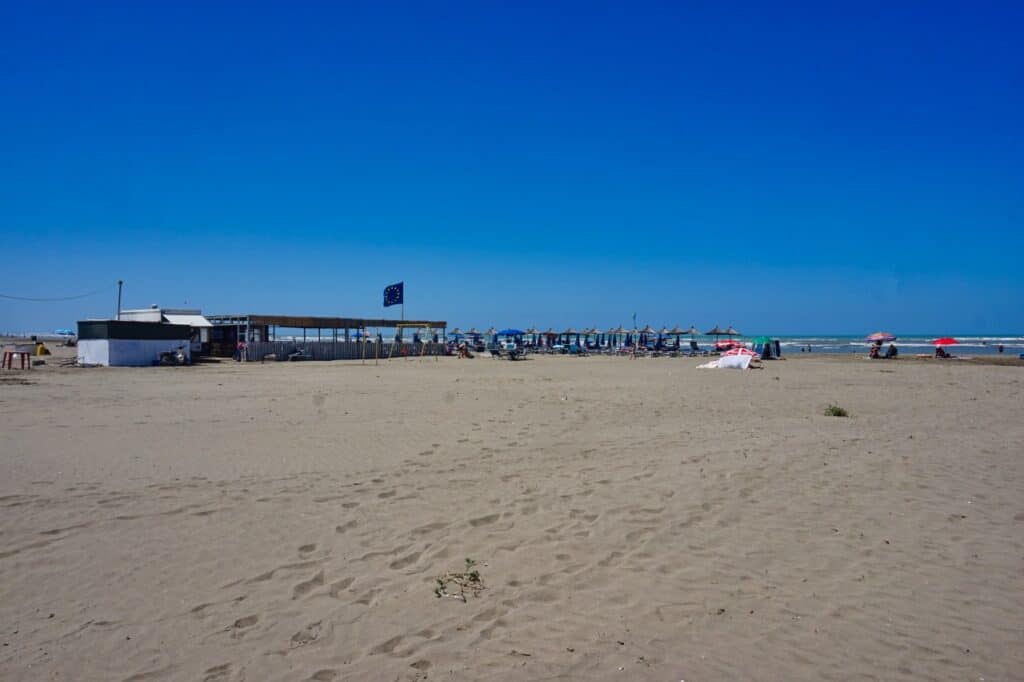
(190, 320)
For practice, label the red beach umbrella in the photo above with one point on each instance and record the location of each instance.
(741, 351)
(945, 341)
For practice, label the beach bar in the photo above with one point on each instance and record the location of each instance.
(323, 338)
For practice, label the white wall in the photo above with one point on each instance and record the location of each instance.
(93, 352)
(126, 352)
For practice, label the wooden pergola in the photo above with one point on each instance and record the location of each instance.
(257, 328)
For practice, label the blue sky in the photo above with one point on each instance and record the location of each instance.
(792, 169)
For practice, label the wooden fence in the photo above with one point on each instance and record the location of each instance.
(339, 350)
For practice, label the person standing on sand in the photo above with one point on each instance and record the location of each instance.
(240, 351)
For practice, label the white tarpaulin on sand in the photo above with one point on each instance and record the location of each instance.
(728, 362)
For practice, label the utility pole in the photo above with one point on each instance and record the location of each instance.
(120, 283)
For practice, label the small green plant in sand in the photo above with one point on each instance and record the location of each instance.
(456, 585)
(834, 410)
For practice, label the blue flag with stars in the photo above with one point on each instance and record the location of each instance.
(394, 294)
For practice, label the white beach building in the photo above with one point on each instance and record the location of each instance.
(121, 343)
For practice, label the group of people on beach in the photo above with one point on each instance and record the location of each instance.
(875, 353)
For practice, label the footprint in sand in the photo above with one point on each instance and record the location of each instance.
(217, 672)
(407, 560)
(239, 627)
(484, 520)
(306, 549)
(340, 586)
(345, 527)
(429, 528)
(306, 635)
(388, 646)
(305, 586)
(369, 598)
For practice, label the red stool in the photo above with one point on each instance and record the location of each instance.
(8, 361)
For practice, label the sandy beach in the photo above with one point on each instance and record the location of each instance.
(629, 520)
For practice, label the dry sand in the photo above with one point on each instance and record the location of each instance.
(631, 520)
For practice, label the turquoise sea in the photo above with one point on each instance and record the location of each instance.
(970, 344)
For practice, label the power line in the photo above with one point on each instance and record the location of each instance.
(50, 300)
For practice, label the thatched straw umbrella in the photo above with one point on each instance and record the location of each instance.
(662, 333)
(615, 333)
(549, 335)
(646, 332)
